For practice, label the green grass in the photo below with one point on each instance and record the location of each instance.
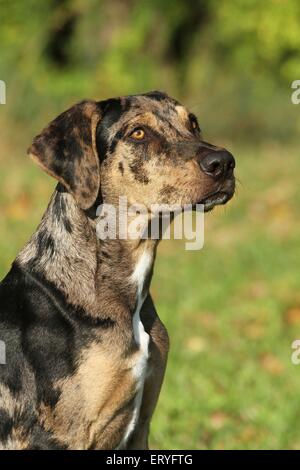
(232, 309)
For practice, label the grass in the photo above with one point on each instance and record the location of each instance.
(232, 309)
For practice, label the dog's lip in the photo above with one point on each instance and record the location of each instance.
(216, 199)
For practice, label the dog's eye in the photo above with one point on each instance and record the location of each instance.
(138, 134)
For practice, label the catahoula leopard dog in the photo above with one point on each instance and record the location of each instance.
(85, 349)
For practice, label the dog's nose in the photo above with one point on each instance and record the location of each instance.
(218, 164)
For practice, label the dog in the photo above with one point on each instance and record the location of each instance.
(85, 349)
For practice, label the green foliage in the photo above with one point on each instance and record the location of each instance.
(243, 55)
(261, 37)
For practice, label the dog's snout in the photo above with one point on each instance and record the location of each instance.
(218, 164)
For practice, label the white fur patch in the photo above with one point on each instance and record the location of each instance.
(142, 339)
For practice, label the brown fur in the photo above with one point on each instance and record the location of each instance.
(88, 149)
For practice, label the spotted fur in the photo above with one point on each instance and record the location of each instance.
(86, 351)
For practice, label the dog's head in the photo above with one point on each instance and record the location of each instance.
(145, 147)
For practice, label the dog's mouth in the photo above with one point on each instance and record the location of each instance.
(217, 198)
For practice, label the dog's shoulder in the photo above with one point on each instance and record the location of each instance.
(23, 343)
(39, 326)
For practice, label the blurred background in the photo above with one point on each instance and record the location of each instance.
(232, 309)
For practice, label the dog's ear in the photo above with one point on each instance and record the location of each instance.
(66, 149)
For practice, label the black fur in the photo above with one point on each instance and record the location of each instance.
(111, 111)
(42, 332)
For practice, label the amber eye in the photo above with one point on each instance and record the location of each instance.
(138, 134)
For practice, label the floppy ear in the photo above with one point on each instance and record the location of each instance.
(66, 149)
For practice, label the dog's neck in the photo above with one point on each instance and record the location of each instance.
(106, 278)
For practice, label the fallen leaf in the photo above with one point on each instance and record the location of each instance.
(218, 420)
(19, 208)
(196, 344)
(255, 330)
(248, 434)
(293, 315)
(272, 364)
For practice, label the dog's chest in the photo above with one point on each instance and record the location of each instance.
(107, 386)
(142, 338)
